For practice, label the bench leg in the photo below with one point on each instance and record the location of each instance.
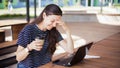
(16, 29)
(2, 36)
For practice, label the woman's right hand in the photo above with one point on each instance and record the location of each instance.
(63, 25)
(35, 45)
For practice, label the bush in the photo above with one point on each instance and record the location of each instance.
(116, 5)
(10, 16)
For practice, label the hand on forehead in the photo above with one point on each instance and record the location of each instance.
(55, 17)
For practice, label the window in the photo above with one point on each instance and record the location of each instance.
(0, 1)
(9, 0)
(118, 1)
(22, 0)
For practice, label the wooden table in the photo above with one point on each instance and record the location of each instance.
(50, 65)
(16, 26)
(55, 57)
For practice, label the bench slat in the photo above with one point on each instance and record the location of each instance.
(8, 50)
(7, 62)
(8, 43)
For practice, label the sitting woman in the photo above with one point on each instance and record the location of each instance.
(32, 53)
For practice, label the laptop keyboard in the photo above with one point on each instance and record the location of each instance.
(64, 61)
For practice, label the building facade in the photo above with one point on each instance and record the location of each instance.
(62, 3)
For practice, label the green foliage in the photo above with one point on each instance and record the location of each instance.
(117, 5)
(11, 16)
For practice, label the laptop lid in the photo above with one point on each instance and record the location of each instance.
(80, 54)
(77, 57)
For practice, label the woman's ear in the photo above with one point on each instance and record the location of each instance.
(44, 15)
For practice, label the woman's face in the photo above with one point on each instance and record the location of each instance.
(50, 21)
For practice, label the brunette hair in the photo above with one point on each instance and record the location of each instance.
(52, 36)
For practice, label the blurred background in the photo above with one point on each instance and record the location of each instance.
(94, 6)
(89, 20)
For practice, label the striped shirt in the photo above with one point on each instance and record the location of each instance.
(35, 58)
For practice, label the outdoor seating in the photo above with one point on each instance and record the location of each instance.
(7, 53)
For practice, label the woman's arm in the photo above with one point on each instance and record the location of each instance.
(67, 44)
(22, 52)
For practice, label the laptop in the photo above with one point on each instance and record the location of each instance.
(77, 57)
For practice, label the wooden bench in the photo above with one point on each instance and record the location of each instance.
(16, 29)
(7, 49)
(7, 56)
(16, 26)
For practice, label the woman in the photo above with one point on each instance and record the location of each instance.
(30, 53)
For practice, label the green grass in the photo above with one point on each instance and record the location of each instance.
(13, 16)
